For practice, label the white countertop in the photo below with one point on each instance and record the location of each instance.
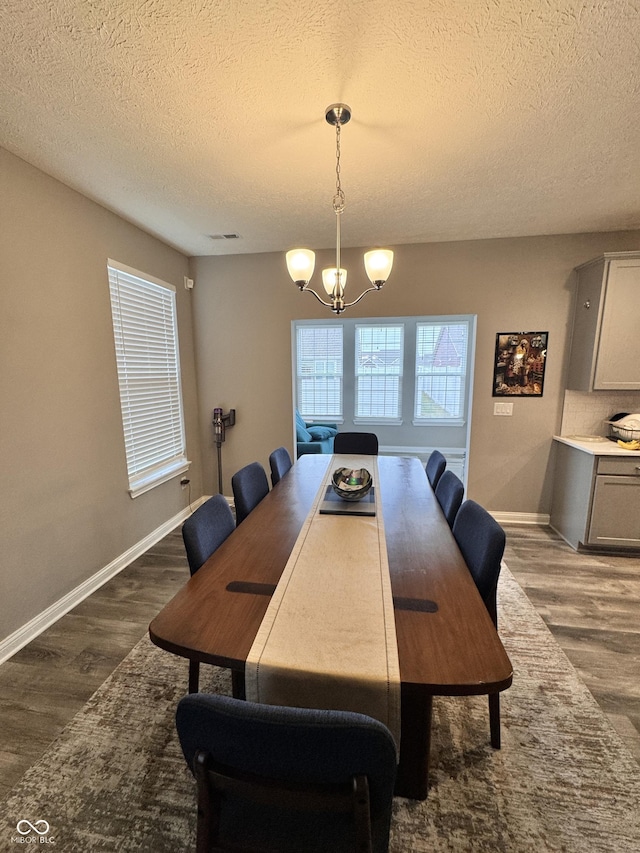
(595, 445)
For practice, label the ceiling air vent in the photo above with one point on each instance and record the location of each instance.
(224, 236)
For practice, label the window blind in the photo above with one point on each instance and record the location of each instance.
(379, 361)
(319, 371)
(146, 342)
(441, 368)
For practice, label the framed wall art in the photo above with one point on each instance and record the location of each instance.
(519, 364)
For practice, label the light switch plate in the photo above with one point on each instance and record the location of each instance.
(503, 409)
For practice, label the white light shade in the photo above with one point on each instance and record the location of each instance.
(378, 264)
(329, 280)
(300, 263)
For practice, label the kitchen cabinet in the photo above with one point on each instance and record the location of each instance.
(596, 498)
(606, 325)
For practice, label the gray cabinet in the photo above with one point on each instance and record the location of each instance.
(606, 325)
(596, 499)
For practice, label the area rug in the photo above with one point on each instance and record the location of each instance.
(115, 779)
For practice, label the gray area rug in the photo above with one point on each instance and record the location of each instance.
(115, 780)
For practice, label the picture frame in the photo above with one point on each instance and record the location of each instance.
(519, 365)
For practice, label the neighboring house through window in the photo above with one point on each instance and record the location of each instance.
(146, 341)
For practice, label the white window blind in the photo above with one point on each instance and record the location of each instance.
(146, 340)
(379, 354)
(319, 371)
(441, 367)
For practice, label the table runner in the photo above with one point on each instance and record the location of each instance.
(328, 638)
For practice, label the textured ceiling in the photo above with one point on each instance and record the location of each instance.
(471, 118)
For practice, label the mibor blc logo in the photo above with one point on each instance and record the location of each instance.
(33, 833)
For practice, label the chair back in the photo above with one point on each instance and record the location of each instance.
(365, 443)
(249, 486)
(279, 462)
(436, 463)
(449, 493)
(481, 541)
(206, 529)
(280, 779)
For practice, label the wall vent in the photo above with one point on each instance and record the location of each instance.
(224, 236)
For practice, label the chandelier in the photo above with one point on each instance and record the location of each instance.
(301, 262)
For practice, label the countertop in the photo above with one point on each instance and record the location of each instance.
(595, 445)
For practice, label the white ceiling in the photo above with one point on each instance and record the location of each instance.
(471, 118)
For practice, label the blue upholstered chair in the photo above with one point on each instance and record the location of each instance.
(481, 541)
(203, 532)
(287, 780)
(206, 529)
(449, 493)
(436, 463)
(365, 443)
(279, 462)
(249, 486)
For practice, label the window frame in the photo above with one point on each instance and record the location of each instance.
(147, 353)
(298, 330)
(396, 418)
(463, 374)
(407, 419)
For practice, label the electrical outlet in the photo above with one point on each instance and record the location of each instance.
(184, 482)
(503, 409)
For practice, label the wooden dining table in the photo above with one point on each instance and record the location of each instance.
(447, 643)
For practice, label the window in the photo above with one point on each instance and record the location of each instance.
(319, 371)
(441, 368)
(405, 375)
(379, 357)
(146, 340)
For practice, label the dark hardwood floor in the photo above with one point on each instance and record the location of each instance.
(48, 681)
(591, 604)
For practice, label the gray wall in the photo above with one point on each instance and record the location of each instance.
(244, 306)
(65, 512)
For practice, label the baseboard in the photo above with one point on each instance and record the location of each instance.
(16, 641)
(539, 518)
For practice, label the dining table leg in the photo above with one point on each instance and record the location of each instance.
(237, 684)
(415, 741)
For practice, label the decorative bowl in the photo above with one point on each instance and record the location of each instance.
(351, 484)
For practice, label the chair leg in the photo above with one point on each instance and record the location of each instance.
(494, 719)
(362, 814)
(194, 676)
(208, 824)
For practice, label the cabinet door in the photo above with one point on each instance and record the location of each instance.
(586, 325)
(618, 363)
(615, 512)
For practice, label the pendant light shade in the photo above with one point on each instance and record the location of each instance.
(378, 265)
(301, 263)
(330, 280)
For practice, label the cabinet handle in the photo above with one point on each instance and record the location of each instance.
(587, 304)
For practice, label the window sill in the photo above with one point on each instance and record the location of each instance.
(379, 421)
(427, 422)
(157, 476)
